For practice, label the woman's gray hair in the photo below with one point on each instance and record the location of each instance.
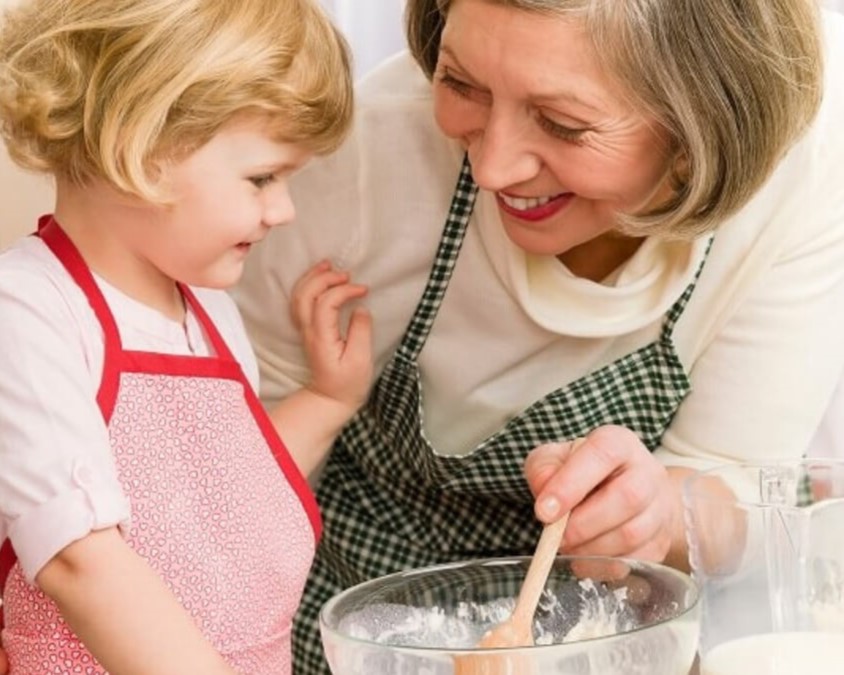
(735, 84)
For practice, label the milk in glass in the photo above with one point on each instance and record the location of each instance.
(803, 653)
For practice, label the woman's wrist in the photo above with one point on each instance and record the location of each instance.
(678, 553)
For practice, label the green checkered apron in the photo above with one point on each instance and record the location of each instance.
(390, 502)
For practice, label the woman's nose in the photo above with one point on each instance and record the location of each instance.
(502, 153)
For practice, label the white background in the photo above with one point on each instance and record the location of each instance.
(372, 27)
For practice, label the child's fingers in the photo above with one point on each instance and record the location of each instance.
(359, 336)
(324, 323)
(311, 286)
(313, 272)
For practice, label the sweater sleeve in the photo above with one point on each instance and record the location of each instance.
(767, 366)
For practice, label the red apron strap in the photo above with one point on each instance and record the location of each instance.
(7, 562)
(63, 248)
(221, 350)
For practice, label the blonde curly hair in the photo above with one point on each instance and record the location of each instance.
(107, 89)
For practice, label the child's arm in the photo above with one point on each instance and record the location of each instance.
(341, 365)
(123, 612)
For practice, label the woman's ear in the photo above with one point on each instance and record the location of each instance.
(680, 170)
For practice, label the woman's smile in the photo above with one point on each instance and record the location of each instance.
(533, 209)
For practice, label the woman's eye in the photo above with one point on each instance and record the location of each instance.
(262, 180)
(458, 86)
(561, 131)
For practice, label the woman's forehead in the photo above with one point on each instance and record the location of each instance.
(541, 55)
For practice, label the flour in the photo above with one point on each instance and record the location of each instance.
(601, 612)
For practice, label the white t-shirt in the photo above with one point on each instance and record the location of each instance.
(57, 474)
(762, 338)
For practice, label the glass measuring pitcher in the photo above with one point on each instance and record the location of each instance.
(766, 545)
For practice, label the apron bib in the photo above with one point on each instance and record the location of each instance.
(219, 510)
(390, 502)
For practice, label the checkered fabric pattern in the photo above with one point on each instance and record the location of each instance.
(392, 503)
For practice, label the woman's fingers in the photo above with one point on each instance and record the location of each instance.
(617, 500)
(644, 535)
(543, 463)
(605, 452)
(616, 491)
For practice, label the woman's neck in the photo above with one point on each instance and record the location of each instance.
(598, 258)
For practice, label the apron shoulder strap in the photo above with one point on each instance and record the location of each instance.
(462, 206)
(217, 342)
(68, 255)
(7, 562)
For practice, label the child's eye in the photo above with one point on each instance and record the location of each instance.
(263, 180)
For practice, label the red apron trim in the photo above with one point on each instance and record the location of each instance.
(282, 457)
(117, 360)
(221, 349)
(180, 366)
(63, 248)
(7, 562)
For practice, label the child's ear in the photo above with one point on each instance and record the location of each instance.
(158, 173)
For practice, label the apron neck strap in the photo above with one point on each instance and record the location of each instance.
(459, 213)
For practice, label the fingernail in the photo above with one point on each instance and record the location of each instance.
(549, 508)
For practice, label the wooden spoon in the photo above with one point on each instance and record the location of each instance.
(517, 631)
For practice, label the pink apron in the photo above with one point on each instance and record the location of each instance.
(219, 509)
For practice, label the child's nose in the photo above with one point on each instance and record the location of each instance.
(278, 208)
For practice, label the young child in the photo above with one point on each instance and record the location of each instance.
(156, 516)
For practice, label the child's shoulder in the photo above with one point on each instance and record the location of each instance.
(29, 269)
(41, 308)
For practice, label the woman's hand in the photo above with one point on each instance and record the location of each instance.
(340, 357)
(623, 502)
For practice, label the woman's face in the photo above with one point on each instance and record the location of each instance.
(546, 129)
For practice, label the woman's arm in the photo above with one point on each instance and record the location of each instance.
(123, 612)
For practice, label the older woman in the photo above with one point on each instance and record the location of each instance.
(643, 246)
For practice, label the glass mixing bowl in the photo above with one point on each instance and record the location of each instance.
(597, 616)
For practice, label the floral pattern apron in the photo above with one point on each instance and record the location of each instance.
(390, 502)
(219, 510)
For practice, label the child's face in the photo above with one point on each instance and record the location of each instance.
(227, 195)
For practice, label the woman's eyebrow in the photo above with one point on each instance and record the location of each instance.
(546, 97)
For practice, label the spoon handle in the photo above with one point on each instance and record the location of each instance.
(543, 558)
(540, 565)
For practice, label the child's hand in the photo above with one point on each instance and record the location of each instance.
(341, 361)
